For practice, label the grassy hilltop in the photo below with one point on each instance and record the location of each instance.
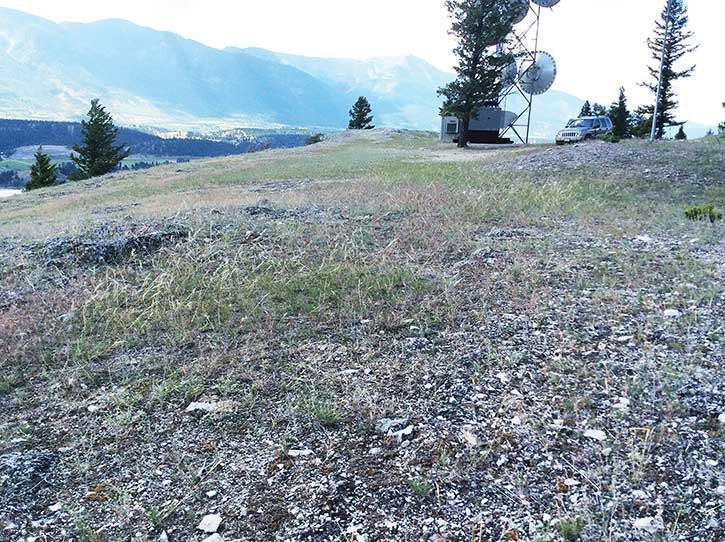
(388, 338)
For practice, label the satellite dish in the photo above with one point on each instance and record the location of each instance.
(545, 3)
(540, 74)
(509, 74)
(507, 119)
(520, 9)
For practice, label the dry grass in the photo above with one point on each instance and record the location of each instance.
(367, 282)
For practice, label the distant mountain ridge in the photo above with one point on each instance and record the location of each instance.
(153, 78)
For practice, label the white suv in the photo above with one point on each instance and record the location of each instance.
(584, 128)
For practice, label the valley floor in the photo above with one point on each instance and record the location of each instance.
(376, 338)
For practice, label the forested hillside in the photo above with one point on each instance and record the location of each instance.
(22, 133)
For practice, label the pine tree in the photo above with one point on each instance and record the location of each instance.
(681, 135)
(43, 172)
(598, 110)
(99, 154)
(675, 49)
(361, 115)
(478, 26)
(586, 110)
(721, 126)
(620, 116)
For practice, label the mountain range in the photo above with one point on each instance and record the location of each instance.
(152, 78)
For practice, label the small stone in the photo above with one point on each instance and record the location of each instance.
(300, 453)
(210, 523)
(595, 434)
(57, 507)
(672, 313)
(470, 437)
(403, 434)
(93, 408)
(721, 418)
(570, 482)
(386, 425)
(211, 494)
(164, 537)
(650, 525)
(219, 408)
(200, 407)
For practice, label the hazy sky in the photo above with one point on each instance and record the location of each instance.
(599, 45)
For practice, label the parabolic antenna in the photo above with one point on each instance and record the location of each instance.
(538, 76)
(545, 3)
(520, 9)
(509, 74)
(507, 119)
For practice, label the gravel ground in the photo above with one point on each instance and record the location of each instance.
(566, 384)
(661, 161)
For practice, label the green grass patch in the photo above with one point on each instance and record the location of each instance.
(184, 297)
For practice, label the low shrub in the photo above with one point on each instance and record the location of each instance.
(704, 212)
(314, 139)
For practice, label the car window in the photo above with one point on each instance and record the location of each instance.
(581, 123)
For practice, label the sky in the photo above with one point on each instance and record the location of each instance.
(599, 45)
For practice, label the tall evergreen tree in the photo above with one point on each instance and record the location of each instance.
(361, 115)
(478, 26)
(681, 135)
(43, 172)
(99, 153)
(586, 110)
(620, 116)
(598, 110)
(721, 126)
(677, 46)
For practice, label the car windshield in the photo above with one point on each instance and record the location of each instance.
(580, 123)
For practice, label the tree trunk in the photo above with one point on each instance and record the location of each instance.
(463, 136)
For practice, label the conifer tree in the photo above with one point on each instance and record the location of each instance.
(677, 46)
(681, 135)
(43, 172)
(721, 126)
(586, 110)
(361, 115)
(99, 153)
(478, 26)
(620, 116)
(598, 110)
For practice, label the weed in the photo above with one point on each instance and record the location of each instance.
(421, 488)
(156, 518)
(571, 529)
(5, 385)
(175, 388)
(84, 532)
(322, 411)
(704, 213)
